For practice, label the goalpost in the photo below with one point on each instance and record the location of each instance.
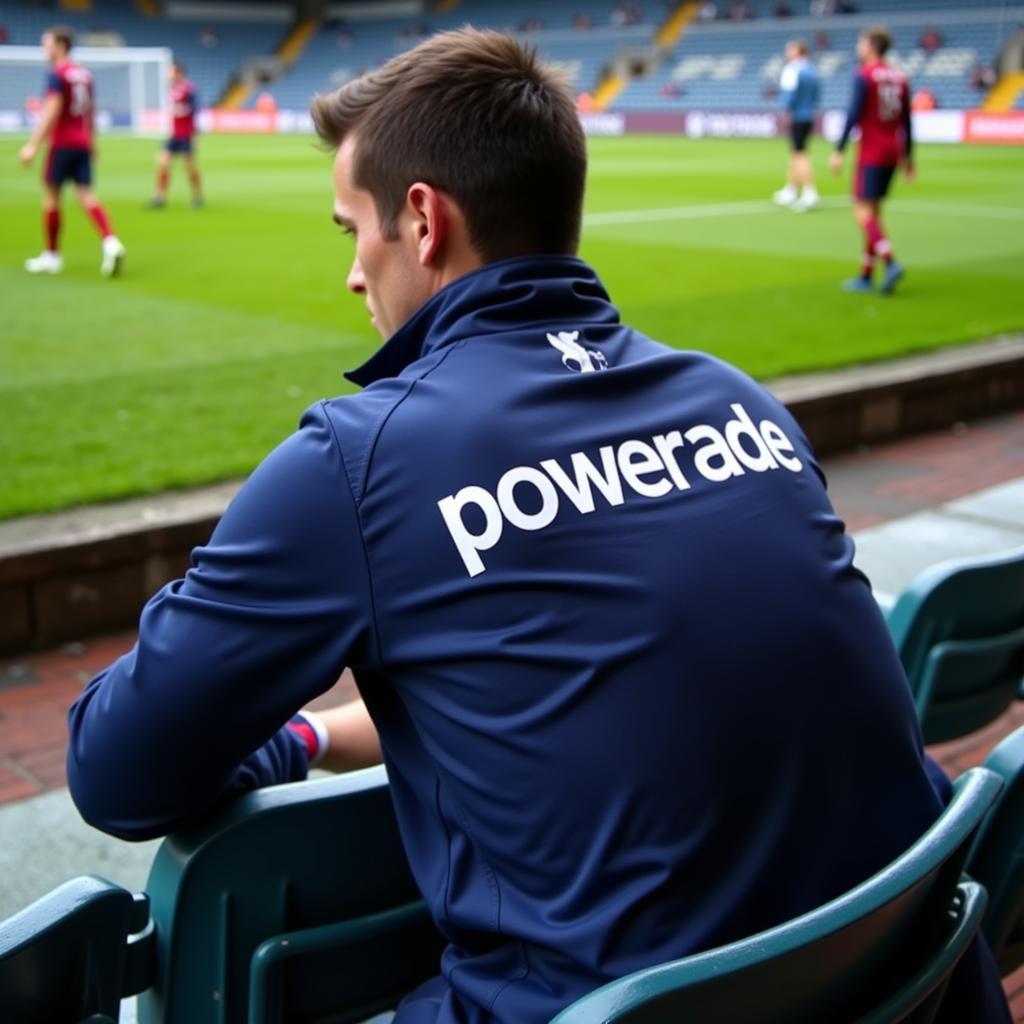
(132, 92)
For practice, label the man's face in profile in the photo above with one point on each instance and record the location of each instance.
(52, 50)
(388, 273)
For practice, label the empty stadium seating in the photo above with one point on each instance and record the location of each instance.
(212, 50)
(336, 55)
(724, 65)
(340, 51)
(717, 65)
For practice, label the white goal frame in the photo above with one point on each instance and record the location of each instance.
(145, 120)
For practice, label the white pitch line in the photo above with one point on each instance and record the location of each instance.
(698, 211)
(694, 211)
(958, 209)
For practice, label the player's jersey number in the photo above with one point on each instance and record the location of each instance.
(81, 92)
(890, 101)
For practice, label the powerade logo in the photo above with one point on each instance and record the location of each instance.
(650, 468)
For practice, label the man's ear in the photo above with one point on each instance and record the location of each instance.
(430, 221)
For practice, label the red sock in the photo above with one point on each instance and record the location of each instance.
(877, 241)
(163, 178)
(867, 260)
(100, 219)
(51, 228)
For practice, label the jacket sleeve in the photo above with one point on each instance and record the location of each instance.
(856, 110)
(908, 124)
(272, 610)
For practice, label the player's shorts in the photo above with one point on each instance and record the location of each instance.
(182, 146)
(872, 180)
(68, 165)
(799, 132)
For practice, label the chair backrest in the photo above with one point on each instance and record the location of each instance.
(959, 630)
(72, 954)
(294, 902)
(997, 858)
(882, 952)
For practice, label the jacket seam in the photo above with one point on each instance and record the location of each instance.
(521, 975)
(362, 540)
(363, 483)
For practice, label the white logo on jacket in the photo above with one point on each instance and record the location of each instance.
(647, 467)
(574, 356)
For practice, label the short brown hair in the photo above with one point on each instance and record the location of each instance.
(879, 38)
(475, 115)
(63, 34)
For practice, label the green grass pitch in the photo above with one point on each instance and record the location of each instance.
(230, 320)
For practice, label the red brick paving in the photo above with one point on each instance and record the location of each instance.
(36, 691)
(868, 487)
(881, 483)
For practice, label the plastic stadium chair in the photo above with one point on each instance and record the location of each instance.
(881, 953)
(293, 903)
(997, 859)
(73, 954)
(959, 630)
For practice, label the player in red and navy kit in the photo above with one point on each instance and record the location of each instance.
(67, 120)
(881, 107)
(182, 140)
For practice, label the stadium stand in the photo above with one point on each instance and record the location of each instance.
(718, 64)
(211, 48)
(342, 50)
(724, 65)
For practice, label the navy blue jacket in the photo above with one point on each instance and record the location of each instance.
(634, 699)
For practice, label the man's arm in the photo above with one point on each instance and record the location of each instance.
(52, 107)
(347, 736)
(787, 86)
(273, 608)
(908, 131)
(853, 116)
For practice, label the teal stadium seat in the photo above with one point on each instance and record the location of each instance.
(881, 953)
(293, 903)
(997, 859)
(959, 630)
(73, 954)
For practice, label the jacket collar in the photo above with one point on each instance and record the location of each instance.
(508, 295)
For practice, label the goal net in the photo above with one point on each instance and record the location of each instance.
(131, 86)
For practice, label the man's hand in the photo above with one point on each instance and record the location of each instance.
(835, 162)
(908, 170)
(28, 153)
